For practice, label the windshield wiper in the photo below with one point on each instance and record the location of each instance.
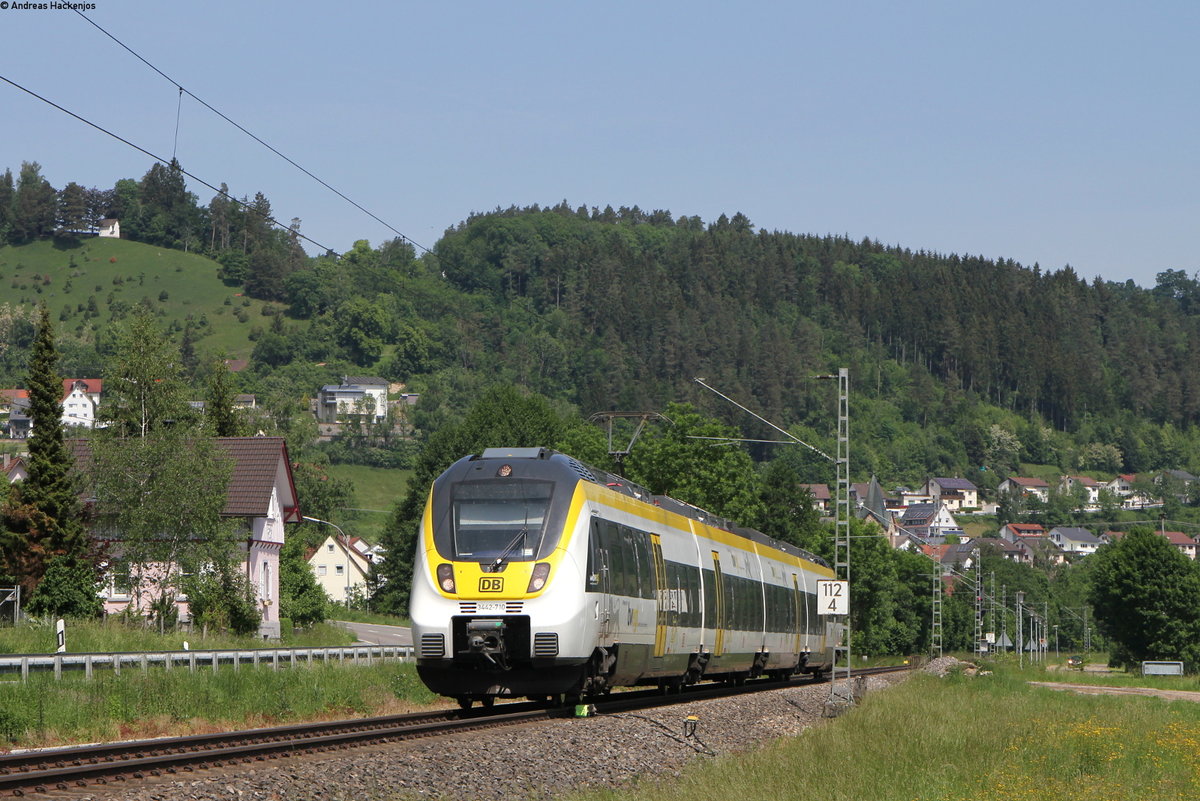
(508, 549)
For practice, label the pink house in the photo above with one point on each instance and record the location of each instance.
(261, 494)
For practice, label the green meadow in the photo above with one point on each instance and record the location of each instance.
(963, 738)
(84, 283)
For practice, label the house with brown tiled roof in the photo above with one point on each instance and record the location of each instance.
(13, 468)
(261, 497)
(1090, 490)
(820, 495)
(1185, 544)
(1025, 487)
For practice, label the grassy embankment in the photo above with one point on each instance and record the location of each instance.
(108, 272)
(376, 491)
(162, 702)
(985, 738)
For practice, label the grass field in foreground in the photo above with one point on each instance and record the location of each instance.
(158, 702)
(964, 738)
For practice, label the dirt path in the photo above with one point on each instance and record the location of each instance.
(1094, 689)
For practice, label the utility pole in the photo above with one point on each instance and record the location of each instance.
(841, 540)
(992, 611)
(1004, 616)
(980, 645)
(935, 629)
(1020, 631)
(1087, 633)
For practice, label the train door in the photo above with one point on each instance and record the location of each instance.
(719, 595)
(600, 579)
(800, 625)
(660, 595)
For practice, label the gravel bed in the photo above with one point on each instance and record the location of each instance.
(522, 762)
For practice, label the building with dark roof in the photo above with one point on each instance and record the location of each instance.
(261, 495)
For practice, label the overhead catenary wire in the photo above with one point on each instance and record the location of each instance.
(223, 116)
(161, 160)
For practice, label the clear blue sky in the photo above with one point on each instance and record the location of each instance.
(1061, 133)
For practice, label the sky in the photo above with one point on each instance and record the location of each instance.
(1049, 133)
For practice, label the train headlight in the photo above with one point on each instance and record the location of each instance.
(445, 577)
(541, 571)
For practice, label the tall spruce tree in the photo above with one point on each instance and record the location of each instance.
(43, 518)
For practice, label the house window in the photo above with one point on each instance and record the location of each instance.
(321, 570)
(330, 547)
(265, 577)
(340, 570)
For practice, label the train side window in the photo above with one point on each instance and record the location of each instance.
(595, 561)
(616, 559)
(646, 575)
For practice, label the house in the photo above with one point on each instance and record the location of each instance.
(14, 407)
(1025, 487)
(1006, 549)
(110, 229)
(1038, 549)
(1180, 481)
(81, 399)
(1183, 543)
(341, 565)
(931, 522)
(13, 468)
(820, 496)
(955, 493)
(1075, 541)
(1015, 531)
(1123, 487)
(1090, 490)
(908, 497)
(261, 497)
(362, 395)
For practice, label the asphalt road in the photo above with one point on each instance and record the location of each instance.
(376, 634)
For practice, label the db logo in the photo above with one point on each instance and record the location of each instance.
(491, 584)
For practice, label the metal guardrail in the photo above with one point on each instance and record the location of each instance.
(275, 658)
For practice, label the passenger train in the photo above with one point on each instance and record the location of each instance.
(538, 576)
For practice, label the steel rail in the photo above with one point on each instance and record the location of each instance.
(76, 767)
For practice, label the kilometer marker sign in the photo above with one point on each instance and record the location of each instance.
(833, 597)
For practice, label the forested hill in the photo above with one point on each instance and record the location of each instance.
(642, 302)
(957, 363)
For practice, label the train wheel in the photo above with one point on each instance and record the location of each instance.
(488, 701)
(464, 701)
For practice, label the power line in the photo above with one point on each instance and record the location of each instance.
(204, 103)
(161, 160)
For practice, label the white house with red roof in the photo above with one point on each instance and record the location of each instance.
(1025, 487)
(1016, 531)
(81, 399)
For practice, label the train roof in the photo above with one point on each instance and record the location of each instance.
(619, 484)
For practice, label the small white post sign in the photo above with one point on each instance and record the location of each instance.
(61, 629)
(833, 597)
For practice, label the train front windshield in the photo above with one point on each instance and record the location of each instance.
(499, 520)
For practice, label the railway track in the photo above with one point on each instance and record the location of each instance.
(61, 770)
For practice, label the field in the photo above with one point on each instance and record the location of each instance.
(986, 738)
(84, 284)
(376, 491)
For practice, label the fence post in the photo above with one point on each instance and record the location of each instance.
(87, 666)
(57, 667)
(116, 663)
(192, 661)
(24, 669)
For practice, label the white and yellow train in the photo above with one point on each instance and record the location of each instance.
(539, 576)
